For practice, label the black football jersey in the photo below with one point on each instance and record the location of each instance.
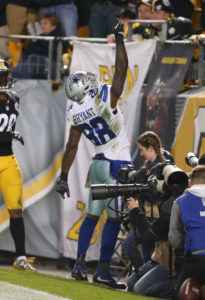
(9, 111)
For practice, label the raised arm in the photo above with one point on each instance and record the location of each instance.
(121, 63)
(67, 161)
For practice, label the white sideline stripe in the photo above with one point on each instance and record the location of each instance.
(10, 291)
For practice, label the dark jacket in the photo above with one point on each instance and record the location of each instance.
(38, 3)
(2, 12)
(159, 228)
(44, 3)
(26, 3)
(182, 8)
(146, 171)
(41, 47)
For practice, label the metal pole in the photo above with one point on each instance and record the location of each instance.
(129, 33)
(50, 58)
(59, 60)
(201, 65)
(164, 31)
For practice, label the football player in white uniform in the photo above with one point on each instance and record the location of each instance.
(95, 113)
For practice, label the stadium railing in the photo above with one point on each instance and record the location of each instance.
(195, 74)
(163, 31)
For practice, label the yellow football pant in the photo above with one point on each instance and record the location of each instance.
(11, 182)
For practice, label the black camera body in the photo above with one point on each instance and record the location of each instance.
(127, 174)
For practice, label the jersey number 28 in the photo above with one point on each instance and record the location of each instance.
(97, 131)
(6, 122)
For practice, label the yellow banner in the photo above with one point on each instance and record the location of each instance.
(189, 135)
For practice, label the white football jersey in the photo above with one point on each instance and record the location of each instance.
(101, 124)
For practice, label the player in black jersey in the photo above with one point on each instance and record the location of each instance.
(11, 180)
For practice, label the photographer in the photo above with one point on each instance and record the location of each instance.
(153, 154)
(155, 278)
(156, 282)
(187, 227)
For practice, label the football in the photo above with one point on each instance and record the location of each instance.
(189, 290)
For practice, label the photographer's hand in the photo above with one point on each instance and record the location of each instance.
(132, 203)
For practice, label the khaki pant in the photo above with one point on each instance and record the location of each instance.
(4, 43)
(161, 255)
(18, 17)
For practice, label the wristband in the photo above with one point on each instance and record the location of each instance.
(119, 40)
(64, 176)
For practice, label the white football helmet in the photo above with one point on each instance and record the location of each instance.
(80, 84)
(6, 79)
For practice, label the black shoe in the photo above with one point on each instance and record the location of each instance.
(79, 272)
(108, 280)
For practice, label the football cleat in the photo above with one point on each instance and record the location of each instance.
(24, 264)
(108, 280)
(79, 272)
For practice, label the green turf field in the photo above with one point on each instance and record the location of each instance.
(67, 288)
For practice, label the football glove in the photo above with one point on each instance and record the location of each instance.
(118, 30)
(62, 187)
(16, 136)
(118, 27)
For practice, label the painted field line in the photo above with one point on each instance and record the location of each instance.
(10, 291)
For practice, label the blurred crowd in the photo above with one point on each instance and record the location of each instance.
(91, 18)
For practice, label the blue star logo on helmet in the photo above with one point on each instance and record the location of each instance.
(75, 80)
(80, 84)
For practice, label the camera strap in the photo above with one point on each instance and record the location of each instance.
(153, 167)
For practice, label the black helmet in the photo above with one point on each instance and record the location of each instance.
(6, 79)
(162, 5)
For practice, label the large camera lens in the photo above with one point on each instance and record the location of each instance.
(174, 175)
(103, 191)
(191, 159)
